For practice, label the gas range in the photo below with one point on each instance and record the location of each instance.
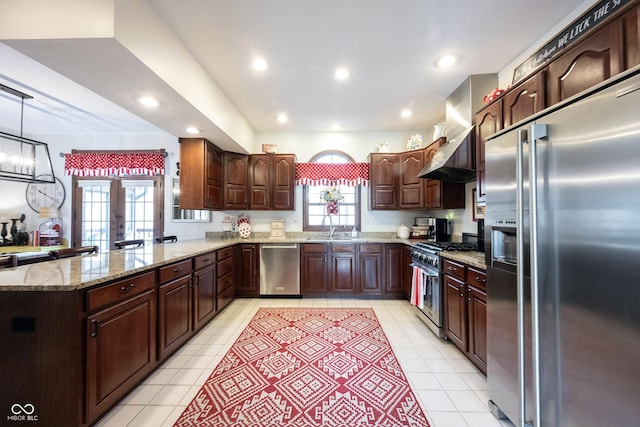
(447, 246)
(426, 254)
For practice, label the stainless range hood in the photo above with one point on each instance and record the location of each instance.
(455, 160)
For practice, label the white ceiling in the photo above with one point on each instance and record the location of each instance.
(389, 46)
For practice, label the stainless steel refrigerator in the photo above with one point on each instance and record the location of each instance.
(562, 233)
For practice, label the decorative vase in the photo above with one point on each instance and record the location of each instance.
(332, 208)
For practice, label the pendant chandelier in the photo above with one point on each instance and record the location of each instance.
(23, 159)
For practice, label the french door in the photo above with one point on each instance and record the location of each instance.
(107, 209)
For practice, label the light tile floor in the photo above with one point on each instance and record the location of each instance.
(452, 391)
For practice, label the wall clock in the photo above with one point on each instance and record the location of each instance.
(41, 195)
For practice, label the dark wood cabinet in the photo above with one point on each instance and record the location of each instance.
(441, 194)
(371, 264)
(630, 23)
(225, 277)
(236, 184)
(394, 182)
(121, 350)
(174, 308)
(411, 188)
(314, 268)
(204, 289)
(271, 181)
(488, 122)
(523, 101)
(466, 311)
(247, 270)
(455, 304)
(343, 268)
(589, 62)
(201, 174)
(394, 265)
(476, 287)
(383, 181)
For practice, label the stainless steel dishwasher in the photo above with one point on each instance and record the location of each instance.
(279, 269)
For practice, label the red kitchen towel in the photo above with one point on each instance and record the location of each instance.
(417, 288)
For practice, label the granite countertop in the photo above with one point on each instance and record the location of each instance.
(474, 259)
(81, 272)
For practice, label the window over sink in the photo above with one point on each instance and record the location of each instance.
(315, 209)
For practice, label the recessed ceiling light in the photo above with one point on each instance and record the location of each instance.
(447, 61)
(335, 126)
(283, 118)
(342, 73)
(405, 114)
(259, 64)
(148, 101)
(192, 130)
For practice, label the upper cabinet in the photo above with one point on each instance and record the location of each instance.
(213, 179)
(383, 176)
(440, 194)
(236, 181)
(201, 174)
(590, 62)
(488, 122)
(411, 187)
(272, 181)
(394, 182)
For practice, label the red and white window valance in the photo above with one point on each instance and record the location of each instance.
(331, 174)
(114, 164)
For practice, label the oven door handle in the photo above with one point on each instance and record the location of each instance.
(424, 270)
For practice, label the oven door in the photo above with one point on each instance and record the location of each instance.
(429, 281)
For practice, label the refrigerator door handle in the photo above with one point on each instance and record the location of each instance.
(523, 136)
(538, 132)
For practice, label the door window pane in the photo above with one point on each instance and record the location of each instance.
(139, 206)
(96, 207)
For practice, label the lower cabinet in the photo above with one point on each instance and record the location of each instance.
(204, 289)
(476, 282)
(395, 265)
(465, 299)
(371, 269)
(343, 266)
(175, 306)
(314, 268)
(225, 282)
(121, 343)
(374, 269)
(247, 270)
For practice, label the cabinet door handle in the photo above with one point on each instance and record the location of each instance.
(177, 270)
(451, 268)
(478, 279)
(468, 295)
(461, 290)
(127, 287)
(94, 326)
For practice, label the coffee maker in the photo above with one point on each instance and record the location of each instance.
(439, 230)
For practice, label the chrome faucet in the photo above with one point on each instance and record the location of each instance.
(331, 227)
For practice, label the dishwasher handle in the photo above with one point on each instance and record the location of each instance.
(279, 246)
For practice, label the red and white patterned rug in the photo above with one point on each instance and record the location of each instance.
(307, 367)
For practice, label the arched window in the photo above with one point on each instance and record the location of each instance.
(314, 209)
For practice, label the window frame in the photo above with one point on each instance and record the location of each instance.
(305, 196)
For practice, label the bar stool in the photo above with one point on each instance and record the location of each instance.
(7, 261)
(70, 252)
(119, 244)
(166, 239)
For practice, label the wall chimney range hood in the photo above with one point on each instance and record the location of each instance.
(455, 160)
